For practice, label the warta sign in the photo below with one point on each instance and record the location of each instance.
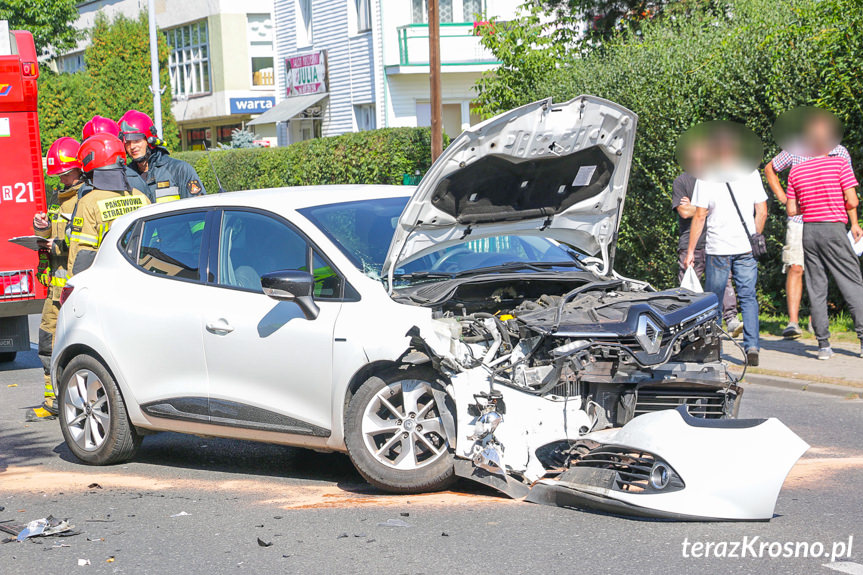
(306, 74)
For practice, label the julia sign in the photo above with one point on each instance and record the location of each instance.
(307, 74)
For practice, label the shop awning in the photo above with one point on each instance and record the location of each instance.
(287, 109)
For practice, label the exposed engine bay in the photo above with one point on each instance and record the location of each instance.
(615, 347)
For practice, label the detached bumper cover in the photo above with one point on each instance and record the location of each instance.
(670, 465)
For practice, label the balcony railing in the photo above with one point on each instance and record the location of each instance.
(459, 45)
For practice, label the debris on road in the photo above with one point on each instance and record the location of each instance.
(263, 543)
(44, 527)
(393, 523)
(405, 514)
(94, 486)
(82, 562)
(181, 514)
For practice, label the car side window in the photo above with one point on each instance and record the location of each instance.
(253, 244)
(171, 245)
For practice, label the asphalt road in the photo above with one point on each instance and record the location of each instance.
(321, 518)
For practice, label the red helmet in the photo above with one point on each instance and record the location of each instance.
(100, 125)
(63, 156)
(135, 125)
(101, 151)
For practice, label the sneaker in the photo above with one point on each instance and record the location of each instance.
(735, 327)
(752, 357)
(792, 331)
(825, 353)
(861, 348)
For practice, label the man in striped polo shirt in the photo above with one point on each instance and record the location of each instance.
(823, 190)
(792, 251)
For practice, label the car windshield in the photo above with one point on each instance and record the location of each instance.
(363, 230)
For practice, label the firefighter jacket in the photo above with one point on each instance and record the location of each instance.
(95, 213)
(171, 179)
(60, 209)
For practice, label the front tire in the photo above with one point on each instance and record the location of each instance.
(93, 415)
(395, 434)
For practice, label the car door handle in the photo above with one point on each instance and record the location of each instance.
(219, 326)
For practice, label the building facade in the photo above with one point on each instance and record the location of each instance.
(352, 65)
(221, 63)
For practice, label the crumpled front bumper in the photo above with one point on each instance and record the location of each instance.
(670, 465)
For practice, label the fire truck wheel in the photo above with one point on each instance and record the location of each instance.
(93, 415)
(7, 357)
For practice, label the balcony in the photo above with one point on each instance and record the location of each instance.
(459, 45)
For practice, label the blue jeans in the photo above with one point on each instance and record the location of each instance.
(744, 271)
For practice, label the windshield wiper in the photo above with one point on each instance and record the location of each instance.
(510, 266)
(423, 275)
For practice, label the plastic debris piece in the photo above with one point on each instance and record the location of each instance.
(405, 514)
(371, 540)
(109, 559)
(82, 562)
(94, 486)
(60, 545)
(12, 385)
(45, 527)
(180, 514)
(274, 516)
(263, 543)
(444, 534)
(343, 536)
(393, 523)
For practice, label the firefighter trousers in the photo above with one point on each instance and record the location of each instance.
(46, 336)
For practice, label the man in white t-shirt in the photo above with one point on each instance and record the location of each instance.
(727, 244)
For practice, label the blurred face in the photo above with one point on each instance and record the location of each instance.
(136, 149)
(820, 135)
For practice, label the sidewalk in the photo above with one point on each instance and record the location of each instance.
(793, 364)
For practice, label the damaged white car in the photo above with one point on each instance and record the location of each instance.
(475, 328)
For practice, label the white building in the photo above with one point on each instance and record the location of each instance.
(352, 65)
(221, 62)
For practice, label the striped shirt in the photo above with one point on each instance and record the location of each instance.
(818, 184)
(785, 159)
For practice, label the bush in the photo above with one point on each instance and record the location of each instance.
(373, 157)
(747, 63)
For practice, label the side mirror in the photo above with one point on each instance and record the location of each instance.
(295, 286)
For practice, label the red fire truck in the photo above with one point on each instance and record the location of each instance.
(22, 189)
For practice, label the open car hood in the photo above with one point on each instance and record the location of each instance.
(554, 170)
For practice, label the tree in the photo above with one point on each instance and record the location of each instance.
(116, 78)
(50, 22)
(118, 64)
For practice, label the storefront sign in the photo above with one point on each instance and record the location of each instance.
(306, 74)
(256, 105)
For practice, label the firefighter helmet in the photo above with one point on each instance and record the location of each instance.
(135, 125)
(101, 151)
(100, 125)
(63, 156)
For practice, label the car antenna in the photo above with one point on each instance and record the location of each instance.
(210, 160)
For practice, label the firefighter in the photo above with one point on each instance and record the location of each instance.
(102, 125)
(169, 178)
(103, 160)
(62, 161)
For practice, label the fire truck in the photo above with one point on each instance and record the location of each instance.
(22, 189)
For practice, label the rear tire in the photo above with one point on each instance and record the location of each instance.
(8, 356)
(395, 435)
(93, 415)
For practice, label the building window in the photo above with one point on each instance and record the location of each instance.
(189, 62)
(364, 15)
(419, 11)
(365, 117)
(472, 10)
(260, 33)
(303, 10)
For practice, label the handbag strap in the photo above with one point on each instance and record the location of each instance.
(736, 207)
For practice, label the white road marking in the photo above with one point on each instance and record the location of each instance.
(845, 567)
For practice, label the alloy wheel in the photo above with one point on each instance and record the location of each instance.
(88, 412)
(402, 427)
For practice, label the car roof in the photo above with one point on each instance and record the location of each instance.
(287, 198)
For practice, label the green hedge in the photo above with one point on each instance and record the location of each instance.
(373, 157)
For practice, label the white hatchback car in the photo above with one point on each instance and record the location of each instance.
(471, 327)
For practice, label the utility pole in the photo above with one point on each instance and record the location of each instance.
(434, 79)
(154, 68)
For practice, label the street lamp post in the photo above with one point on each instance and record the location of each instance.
(154, 68)
(434, 79)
